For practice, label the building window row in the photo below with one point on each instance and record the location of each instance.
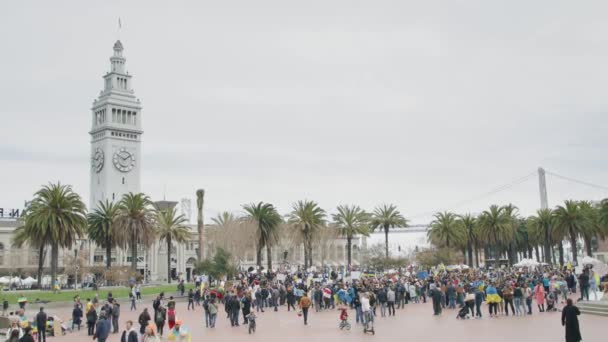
(100, 117)
(123, 116)
(98, 136)
(124, 135)
(122, 82)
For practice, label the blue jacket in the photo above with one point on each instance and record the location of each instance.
(102, 329)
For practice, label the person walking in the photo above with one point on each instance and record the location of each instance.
(27, 335)
(518, 297)
(390, 300)
(435, 294)
(539, 293)
(144, 320)
(246, 307)
(91, 319)
(190, 299)
(478, 301)
(570, 315)
(41, 324)
(129, 334)
(528, 298)
(138, 291)
(133, 301)
(115, 316)
(583, 283)
(102, 328)
(76, 316)
(507, 295)
(159, 320)
(382, 299)
(150, 334)
(212, 313)
(305, 304)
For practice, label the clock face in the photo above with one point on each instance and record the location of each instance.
(123, 160)
(97, 160)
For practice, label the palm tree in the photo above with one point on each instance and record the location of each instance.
(495, 228)
(200, 225)
(224, 219)
(445, 228)
(267, 219)
(570, 221)
(543, 224)
(468, 224)
(134, 224)
(29, 235)
(57, 216)
(593, 227)
(511, 212)
(308, 218)
(351, 221)
(100, 226)
(171, 227)
(386, 217)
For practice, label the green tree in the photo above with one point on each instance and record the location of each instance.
(570, 221)
(495, 228)
(267, 220)
(100, 228)
(134, 224)
(308, 218)
(593, 228)
(445, 229)
(542, 224)
(224, 219)
(217, 267)
(170, 228)
(511, 212)
(386, 217)
(351, 221)
(57, 216)
(468, 224)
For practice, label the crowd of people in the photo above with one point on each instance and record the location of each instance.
(506, 292)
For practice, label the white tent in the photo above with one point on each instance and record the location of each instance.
(16, 280)
(29, 281)
(526, 263)
(5, 280)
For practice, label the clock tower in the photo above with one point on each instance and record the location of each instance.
(115, 135)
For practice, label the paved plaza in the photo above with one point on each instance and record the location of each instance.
(415, 321)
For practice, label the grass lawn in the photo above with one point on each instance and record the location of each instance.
(68, 295)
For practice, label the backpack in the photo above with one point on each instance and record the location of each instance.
(156, 304)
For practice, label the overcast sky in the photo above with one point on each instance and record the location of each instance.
(424, 104)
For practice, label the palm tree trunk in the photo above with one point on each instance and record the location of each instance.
(348, 246)
(169, 259)
(40, 264)
(537, 253)
(269, 257)
(305, 255)
(588, 245)
(470, 250)
(553, 255)
(200, 225)
(386, 239)
(134, 253)
(560, 249)
(310, 254)
(476, 255)
(258, 256)
(108, 256)
(574, 248)
(547, 244)
(54, 261)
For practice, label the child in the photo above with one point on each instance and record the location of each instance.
(344, 318)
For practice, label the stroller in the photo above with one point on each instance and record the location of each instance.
(551, 302)
(368, 325)
(463, 313)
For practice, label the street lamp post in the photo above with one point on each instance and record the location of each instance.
(76, 269)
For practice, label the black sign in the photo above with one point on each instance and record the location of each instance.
(12, 213)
